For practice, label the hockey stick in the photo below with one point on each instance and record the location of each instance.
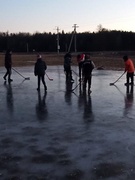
(76, 86)
(75, 73)
(48, 77)
(26, 78)
(116, 80)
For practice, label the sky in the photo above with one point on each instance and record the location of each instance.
(31, 16)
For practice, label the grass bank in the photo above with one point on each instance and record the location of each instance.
(109, 60)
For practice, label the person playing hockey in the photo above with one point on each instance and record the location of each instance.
(129, 68)
(87, 69)
(39, 71)
(67, 67)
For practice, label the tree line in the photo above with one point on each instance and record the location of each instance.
(103, 40)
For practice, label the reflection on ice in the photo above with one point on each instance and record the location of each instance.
(41, 107)
(129, 99)
(9, 97)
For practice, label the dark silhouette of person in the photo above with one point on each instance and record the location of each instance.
(87, 69)
(8, 65)
(39, 71)
(67, 67)
(80, 60)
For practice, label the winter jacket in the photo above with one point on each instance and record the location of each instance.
(129, 66)
(87, 67)
(67, 61)
(40, 67)
(8, 60)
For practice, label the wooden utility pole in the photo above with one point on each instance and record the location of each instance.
(58, 46)
(75, 26)
(73, 35)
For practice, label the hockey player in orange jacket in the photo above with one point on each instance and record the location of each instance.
(129, 68)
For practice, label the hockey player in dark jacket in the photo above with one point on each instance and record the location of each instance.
(39, 71)
(8, 65)
(67, 67)
(87, 68)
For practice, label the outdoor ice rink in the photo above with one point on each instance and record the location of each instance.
(64, 135)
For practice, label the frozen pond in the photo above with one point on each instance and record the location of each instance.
(63, 135)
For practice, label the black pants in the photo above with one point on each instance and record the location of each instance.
(87, 79)
(41, 77)
(130, 76)
(8, 73)
(68, 72)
